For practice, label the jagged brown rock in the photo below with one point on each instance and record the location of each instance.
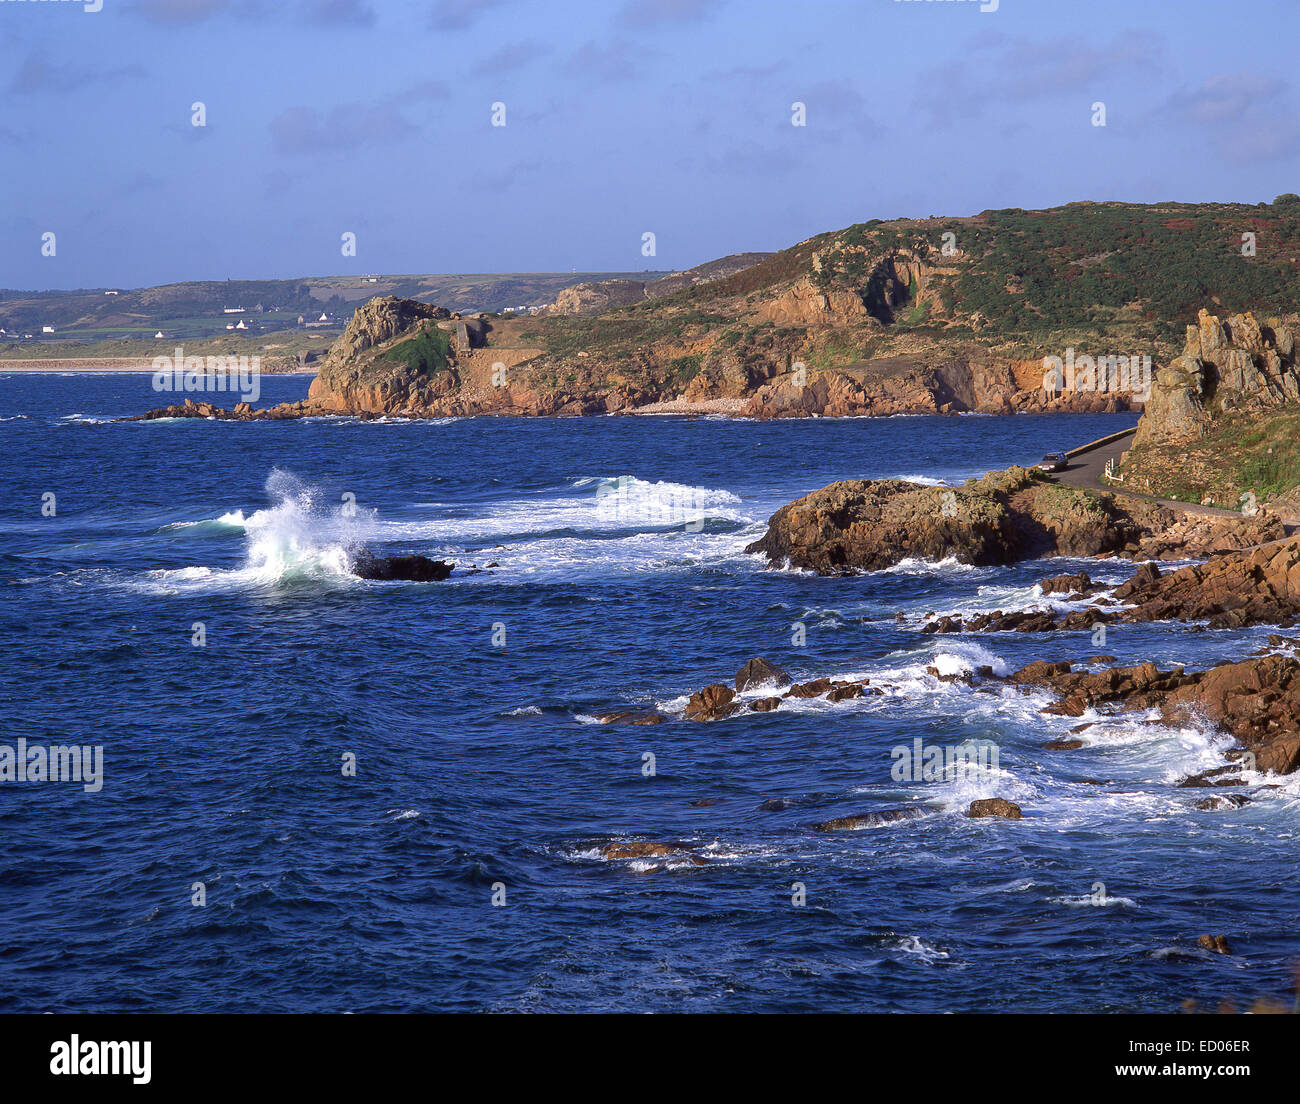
(1226, 366)
(712, 703)
(759, 672)
(1257, 701)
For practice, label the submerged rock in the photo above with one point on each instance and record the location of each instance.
(871, 820)
(631, 717)
(650, 849)
(1222, 801)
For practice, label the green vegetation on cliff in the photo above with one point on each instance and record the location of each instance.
(1017, 283)
(1248, 454)
(1087, 264)
(427, 352)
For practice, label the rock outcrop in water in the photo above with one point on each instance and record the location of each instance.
(1257, 700)
(759, 672)
(1017, 514)
(414, 568)
(994, 807)
(1254, 586)
(877, 819)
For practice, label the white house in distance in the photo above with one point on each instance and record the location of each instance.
(158, 335)
(47, 329)
(233, 310)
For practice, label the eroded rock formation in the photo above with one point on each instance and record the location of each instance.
(1225, 367)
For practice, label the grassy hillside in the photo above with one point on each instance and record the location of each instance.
(1255, 454)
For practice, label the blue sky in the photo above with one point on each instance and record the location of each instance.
(670, 116)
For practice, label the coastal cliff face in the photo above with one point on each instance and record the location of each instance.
(364, 372)
(1226, 367)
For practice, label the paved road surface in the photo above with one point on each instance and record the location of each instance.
(1084, 470)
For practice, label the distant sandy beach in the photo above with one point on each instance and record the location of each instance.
(681, 406)
(100, 364)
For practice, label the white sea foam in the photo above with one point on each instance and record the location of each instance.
(301, 537)
(1100, 900)
(949, 565)
(619, 524)
(916, 947)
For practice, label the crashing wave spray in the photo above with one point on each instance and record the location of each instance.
(301, 537)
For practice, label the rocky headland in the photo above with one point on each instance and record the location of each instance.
(905, 316)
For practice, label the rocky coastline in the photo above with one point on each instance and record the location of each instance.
(407, 359)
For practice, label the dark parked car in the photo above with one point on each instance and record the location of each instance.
(1052, 462)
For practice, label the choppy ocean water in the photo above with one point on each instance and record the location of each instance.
(470, 705)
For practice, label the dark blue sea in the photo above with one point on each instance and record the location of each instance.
(188, 608)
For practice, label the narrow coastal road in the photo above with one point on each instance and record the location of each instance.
(1085, 466)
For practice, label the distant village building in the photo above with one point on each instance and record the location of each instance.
(242, 325)
(233, 310)
(47, 329)
(158, 335)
